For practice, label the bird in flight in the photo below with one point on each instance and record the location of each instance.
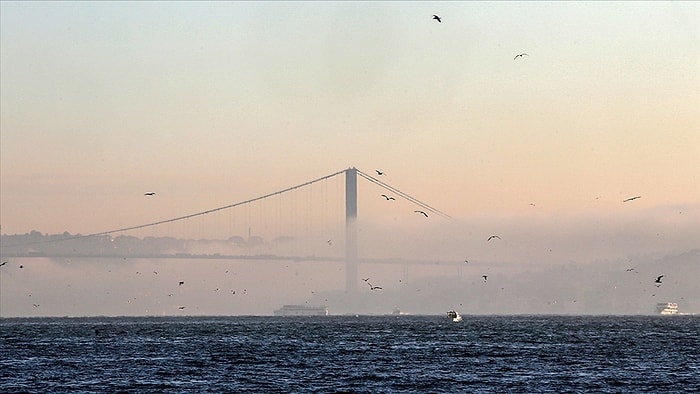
(493, 237)
(520, 55)
(658, 279)
(422, 212)
(365, 279)
(182, 282)
(180, 307)
(379, 172)
(466, 261)
(631, 198)
(330, 242)
(3, 263)
(485, 277)
(371, 287)
(149, 194)
(387, 197)
(437, 18)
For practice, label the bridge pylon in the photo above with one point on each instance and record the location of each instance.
(351, 230)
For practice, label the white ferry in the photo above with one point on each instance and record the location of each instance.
(302, 310)
(667, 308)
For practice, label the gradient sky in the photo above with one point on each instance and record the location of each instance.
(209, 104)
(212, 103)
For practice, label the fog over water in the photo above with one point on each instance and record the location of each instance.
(560, 265)
(583, 157)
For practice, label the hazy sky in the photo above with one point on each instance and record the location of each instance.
(208, 104)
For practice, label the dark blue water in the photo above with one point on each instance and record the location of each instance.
(532, 354)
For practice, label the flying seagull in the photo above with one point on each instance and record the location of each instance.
(631, 198)
(372, 287)
(437, 18)
(492, 237)
(379, 172)
(387, 197)
(520, 55)
(658, 279)
(485, 277)
(424, 214)
(149, 194)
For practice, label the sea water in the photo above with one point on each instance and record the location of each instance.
(392, 354)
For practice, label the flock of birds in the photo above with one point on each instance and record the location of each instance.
(179, 283)
(494, 237)
(437, 18)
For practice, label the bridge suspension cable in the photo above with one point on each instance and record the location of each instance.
(190, 215)
(403, 195)
(362, 174)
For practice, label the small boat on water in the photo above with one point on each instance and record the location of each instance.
(452, 314)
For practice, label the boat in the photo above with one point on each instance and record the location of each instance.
(452, 314)
(667, 308)
(302, 310)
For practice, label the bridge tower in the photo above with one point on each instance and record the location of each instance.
(351, 230)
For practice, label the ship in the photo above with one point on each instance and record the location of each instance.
(302, 310)
(454, 315)
(667, 308)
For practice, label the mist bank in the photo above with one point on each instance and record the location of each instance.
(151, 287)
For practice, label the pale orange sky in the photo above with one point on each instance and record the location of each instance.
(210, 104)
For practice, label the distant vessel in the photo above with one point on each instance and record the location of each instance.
(302, 310)
(667, 308)
(452, 314)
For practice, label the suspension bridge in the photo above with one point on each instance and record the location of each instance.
(123, 246)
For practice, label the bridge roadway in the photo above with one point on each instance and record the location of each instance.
(263, 257)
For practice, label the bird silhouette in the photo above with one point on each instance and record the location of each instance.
(379, 172)
(631, 198)
(493, 237)
(658, 279)
(520, 55)
(437, 18)
(424, 214)
(3, 263)
(182, 282)
(387, 197)
(485, 277)
(149, 194)
(180, 307)
(375, 288)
